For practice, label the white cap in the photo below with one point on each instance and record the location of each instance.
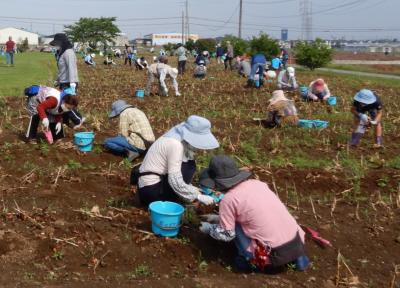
(290, 71)
(271, 74)
(92, 55)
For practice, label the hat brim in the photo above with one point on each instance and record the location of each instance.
(366, 101)
(116, 113)
(200, 141)
(222, 184)
(54, 43)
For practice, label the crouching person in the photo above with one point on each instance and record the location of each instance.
(47, 105)
(318, 91)
(168, 167)
(267, 237)
(161, 71)
(135, 133)
(200, 71)
(287, 80)
(281, 111)
(367, 102)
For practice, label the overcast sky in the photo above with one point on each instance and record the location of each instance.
(353, 19)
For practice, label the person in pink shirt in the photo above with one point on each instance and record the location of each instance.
(10, 50)
(266, 235)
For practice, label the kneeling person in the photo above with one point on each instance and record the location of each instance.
(281, 111)
(136, 134)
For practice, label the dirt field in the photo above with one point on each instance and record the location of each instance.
(365, 56)
(49, 236)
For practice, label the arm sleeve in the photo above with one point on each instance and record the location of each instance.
(294, 83)
(218, 233)
(49, 103)
(280, 79)
(328, 92)
(124, 125)
(72, 69)
(186, 191)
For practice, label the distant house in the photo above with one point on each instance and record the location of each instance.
(165, 38)
(18, 35)
(142, 42)
(120, 40)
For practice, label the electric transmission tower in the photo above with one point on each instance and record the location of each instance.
(306, 20)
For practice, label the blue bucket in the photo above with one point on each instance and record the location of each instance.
(166, 218)
(84, 141)
(320, 124)
(303, 123)
(332, 101)
(257, 83)
(139, 93)
(303, 91)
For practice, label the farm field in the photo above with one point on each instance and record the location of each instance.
(378, 68)
(49, 236)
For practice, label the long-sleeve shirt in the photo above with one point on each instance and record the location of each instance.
(313, 94)
(284, 81)
(48, 104)
(165, 156)
(258, 59)
(181, 53)
(163, 72)
(67, 68)
(132, 121)
(230, 52)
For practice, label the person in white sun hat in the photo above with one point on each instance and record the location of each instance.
(367, 111)
(161, 71)
(89, 59)
(167, 170)
(287, 80)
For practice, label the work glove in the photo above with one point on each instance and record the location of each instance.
(205, 227)
(80, 124)
(58, 128)
(211, 218)
(373, 122)
(178, 94)
(46, 123)
(73, 87)
(205, 199)
(363, 117)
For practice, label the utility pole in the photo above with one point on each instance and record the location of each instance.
(240, 18)
(187, 21)
(183, 27)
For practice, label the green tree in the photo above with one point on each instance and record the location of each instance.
(240, 46)
(93, 31)
(313, 55)
(206, 44)
(265, 45)
(24, 45)
(190, 45)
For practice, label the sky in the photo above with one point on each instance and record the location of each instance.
(332, 19)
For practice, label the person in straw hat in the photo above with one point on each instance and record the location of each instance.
(367, 111)
(266, 235)
(135, 132)
(168, 167)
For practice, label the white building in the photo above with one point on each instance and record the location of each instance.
(120, 40)
(165, 38)
(18, 36)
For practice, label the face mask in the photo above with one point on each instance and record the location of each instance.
(64, 108)
(58, 48)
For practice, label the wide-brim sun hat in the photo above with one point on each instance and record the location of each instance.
(118, 107)
(290, 71)
(93, 55)
(271, 74)
(222, 174)
(59, 38)
(196, 131)
(365, 96)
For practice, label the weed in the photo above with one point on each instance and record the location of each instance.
(184, 240)
(74, 165)
(203, 266)
(58, 255)
(44, 148)
(29, 275)
(394, 163)
(141, 271)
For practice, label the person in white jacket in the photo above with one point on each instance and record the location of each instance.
(161, 71)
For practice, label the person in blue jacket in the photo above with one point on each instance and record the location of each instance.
(258, 62)
(220, 53)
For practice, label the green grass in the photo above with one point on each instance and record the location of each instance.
(395, 70)
(29, 68)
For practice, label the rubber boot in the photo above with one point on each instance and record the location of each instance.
(378, 143)
(355, 138)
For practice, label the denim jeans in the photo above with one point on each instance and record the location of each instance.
(260, 67)
(120, 145)
(10, 58)
(242, 242)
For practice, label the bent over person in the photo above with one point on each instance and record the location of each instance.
(135, 133)
(161, 71)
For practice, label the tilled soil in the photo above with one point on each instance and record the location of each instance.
(53, 235)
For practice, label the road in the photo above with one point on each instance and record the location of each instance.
(357, 73)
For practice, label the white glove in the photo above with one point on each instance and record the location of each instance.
(374, 122)
(178, 94)
(73, 87)
(205, 199)
(46, 123)
(205, 227)
(58, 128)
(80, 124)
(363, 117)
(166, 91)
(211, 218)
